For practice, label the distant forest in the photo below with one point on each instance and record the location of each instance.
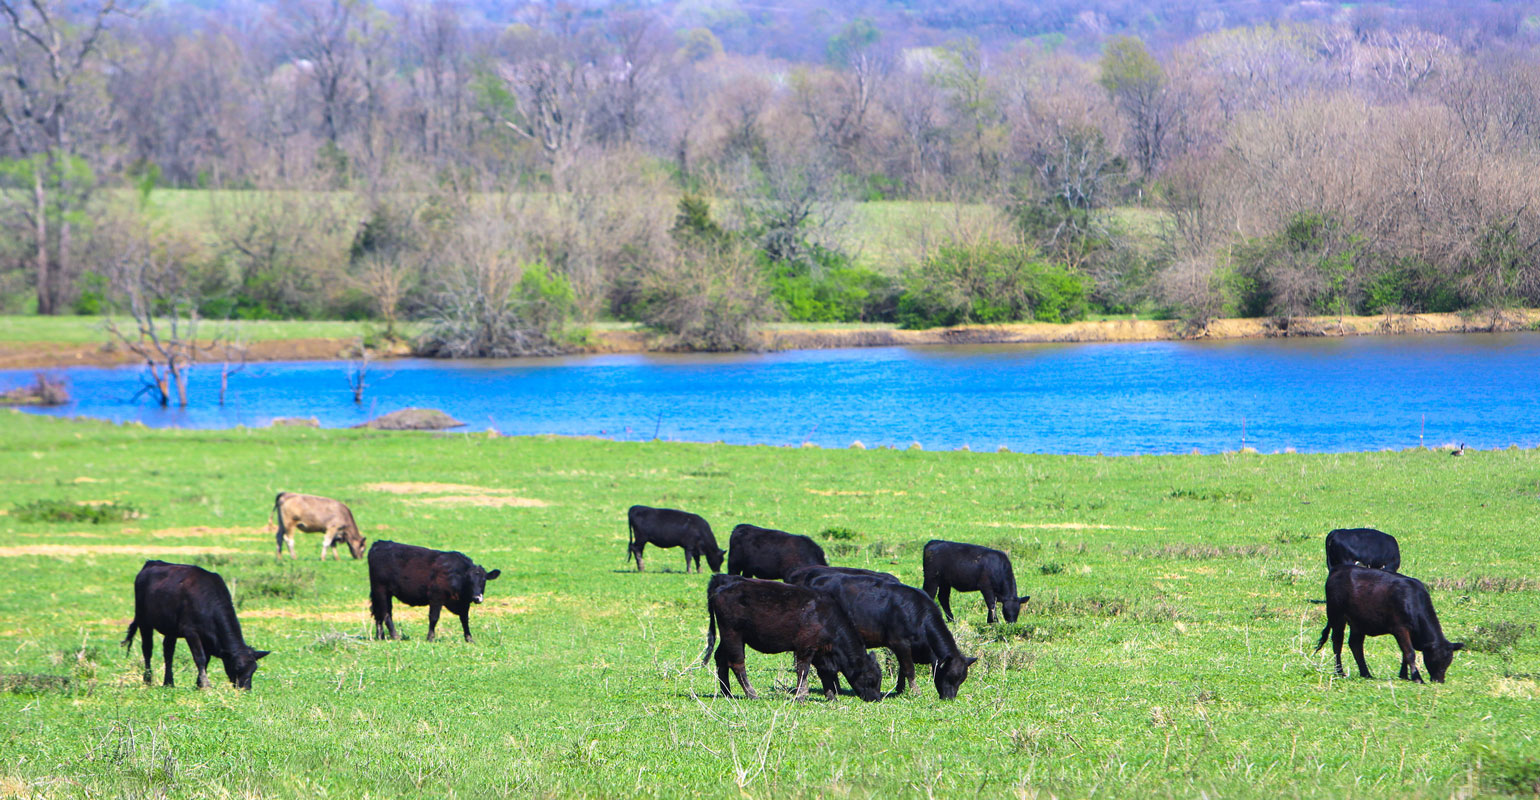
(514, 173)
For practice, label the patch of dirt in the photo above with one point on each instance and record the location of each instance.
(73, 551)
(24, 355)
(85, 479)
(483, 500)
(204, 530)
(433, 488)
(1516, 687)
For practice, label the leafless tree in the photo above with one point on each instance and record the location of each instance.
(151, 286)
(47, 75)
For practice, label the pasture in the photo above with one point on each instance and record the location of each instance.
(1165, 651)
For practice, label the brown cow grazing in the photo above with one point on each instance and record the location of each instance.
(312, 514)
(1375, 603)
(774, 617)
(418, 576)
(183, 601)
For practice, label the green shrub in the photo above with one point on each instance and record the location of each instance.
(834, 291)
(990, 282)
(838, 533)
(66, 511)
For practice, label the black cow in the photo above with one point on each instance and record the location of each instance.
(802, 575)
(971, 568)
(901, 618)
(1365, 546)
(667, 527)
(776, 617)
(1375, 603)
(756, 552)
(418, 576)
(183, 601)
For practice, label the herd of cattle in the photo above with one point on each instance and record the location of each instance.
(779, 595)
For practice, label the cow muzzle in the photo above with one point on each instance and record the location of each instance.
(478, 599)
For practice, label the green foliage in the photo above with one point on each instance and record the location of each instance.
(699, 44)
(1506, 771)
(989, 282)
(544, 299)
(1126, 65)
(693, 225)
(68, 511)
(857, 35)
(835, 291)
(1313, 265)
(838, 533)
(92, 299)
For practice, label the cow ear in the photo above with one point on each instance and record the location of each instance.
(492, 576)
(970, 661)
(1456, 646)
(256, 655)
(1024, 598)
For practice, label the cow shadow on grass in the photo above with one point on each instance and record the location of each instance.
(663, 571)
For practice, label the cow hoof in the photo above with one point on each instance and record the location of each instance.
(469, 640)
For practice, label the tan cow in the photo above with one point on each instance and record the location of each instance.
(312, 514)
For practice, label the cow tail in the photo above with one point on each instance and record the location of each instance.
(128, 641)
(277, 501)
(711, 634)
(1325, 632)
(630, 538)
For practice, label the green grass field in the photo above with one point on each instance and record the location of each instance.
(1166, 650)
(29, 329)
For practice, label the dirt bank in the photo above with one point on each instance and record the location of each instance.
(46, 354)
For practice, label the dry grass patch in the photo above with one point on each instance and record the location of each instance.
(357, 616)
(841, 493)
(75, 551)
(410, 487)
(483, 500)
(205, 530)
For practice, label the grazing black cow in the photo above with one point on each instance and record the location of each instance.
(183, 601)
(418, 576)
(901, 618)
(1375, 603)
(1365, 546)
(971, 568)
(756, 552)
(667, 527)
(802, 575)
(776, 617)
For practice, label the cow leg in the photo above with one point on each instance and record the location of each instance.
(148, 643)
(379, 607)
(730, 656)
(945, 598)
(905, 656)
(1337, 629)
(390, 621)
(721, 657)
(803, 664)
(636, 553)
(280, 539)
(687, 563)
(465, 623)
(1408, 656)
(329, 543)
(201, 659)
(829, 678)
(433, 619)
(989, 603)
(1356, 644)
(168, 649)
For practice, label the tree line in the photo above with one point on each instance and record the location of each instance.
(512, 183)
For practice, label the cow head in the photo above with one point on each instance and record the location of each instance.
(475, 585)
(714, 558)
(355, 542)
(241, 666)
(950, 674)
(865, 677)
(1010, 608)
(1438, 658)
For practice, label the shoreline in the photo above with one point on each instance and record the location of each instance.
(46, 355)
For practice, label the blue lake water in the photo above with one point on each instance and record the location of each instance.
(1314, 395)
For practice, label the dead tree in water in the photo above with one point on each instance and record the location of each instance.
(164, 316)
(236, 354)
(357, 371)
